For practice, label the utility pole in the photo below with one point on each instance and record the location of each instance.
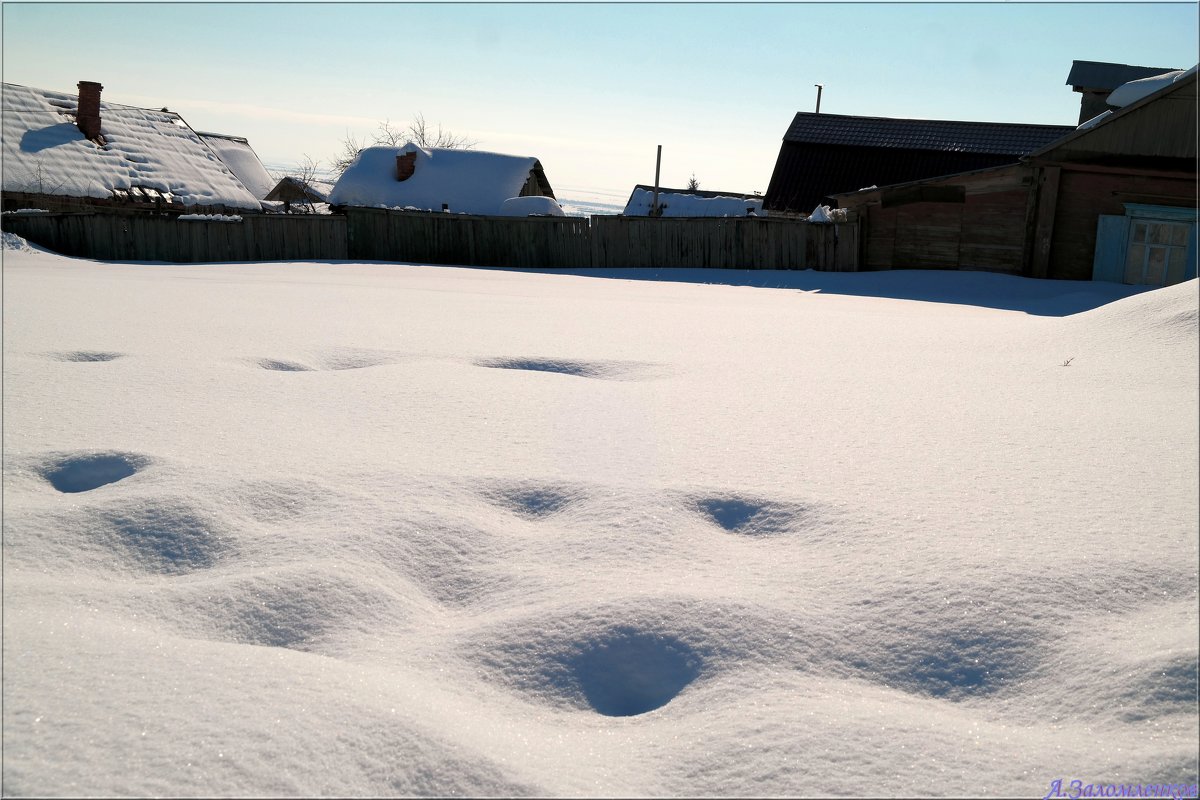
(819, 86)
(654, 212)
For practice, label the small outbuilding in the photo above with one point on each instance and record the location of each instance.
(438, 179)
(297, 191)
(827, 154)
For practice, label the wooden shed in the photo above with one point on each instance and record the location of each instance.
(827, 154)
(1115, 201)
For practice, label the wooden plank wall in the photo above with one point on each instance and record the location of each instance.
(131, 237)
(1085, 195)
(986, 232)
(437, 238)
(993, 231)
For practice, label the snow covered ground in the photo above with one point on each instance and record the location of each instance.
(364, 529)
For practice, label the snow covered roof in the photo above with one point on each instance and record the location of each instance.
(239, 156)
(922, 134)
(533, 206)
(466, 181)
(1130, 98)
(45, 153)
(1129, 93)
(691, 203)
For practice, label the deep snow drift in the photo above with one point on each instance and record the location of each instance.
(327, 529)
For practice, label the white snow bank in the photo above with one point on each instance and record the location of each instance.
(1129, 93)
(466, 181)
(19, 244)
(681, 204)
(397, 530)
(530, 206)
(25, 212)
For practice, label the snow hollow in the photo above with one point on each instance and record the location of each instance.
(365, 529)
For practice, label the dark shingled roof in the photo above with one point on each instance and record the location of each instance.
(997, 138)
(1103, 76)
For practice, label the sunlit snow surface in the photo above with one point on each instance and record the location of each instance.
(328, 529)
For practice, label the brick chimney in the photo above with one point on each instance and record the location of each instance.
(88, 115)
(406, 165)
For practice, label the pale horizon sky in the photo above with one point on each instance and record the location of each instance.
(589, 89)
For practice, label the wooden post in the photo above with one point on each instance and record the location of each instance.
(654, 210)
(1043, 236)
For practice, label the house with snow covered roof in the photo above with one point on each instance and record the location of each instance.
(825, 154)
(439, 179)
(78, 152)
(692, 203)
(1113, 200)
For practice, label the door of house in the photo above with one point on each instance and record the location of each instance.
(1149, 245)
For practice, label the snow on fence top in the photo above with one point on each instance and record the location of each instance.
(46, 153)
(465, 181)
(208, 218)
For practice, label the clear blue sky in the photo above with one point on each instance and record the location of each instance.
(590, 89)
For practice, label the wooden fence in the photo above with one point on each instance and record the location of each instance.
(435, 238)
(723, 243)
(364, 234)
(133, 237)
(602, 242)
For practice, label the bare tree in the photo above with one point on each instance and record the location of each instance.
(351, 147)
(419, 132)
(306, 173)
(422, 134)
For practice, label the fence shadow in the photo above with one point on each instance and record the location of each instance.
(1035, 296)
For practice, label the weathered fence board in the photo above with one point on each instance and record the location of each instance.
(532, 242)
(365, 234)
(717, 243)
(131, 237)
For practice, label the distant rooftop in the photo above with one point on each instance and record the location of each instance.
(922, 134)
(709, 193)
(1105, 76)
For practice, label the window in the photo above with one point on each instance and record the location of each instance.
(1157, 252)
(1148, 245)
